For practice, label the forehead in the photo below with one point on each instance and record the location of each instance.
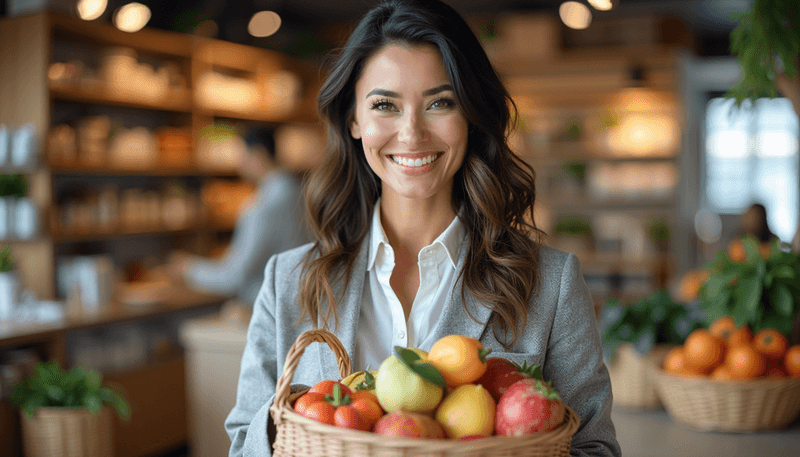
(401, 65)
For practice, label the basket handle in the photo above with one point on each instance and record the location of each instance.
(283, 387)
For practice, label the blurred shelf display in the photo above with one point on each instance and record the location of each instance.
(134, 141)
(602, 132)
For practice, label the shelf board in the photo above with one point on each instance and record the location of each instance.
(555, 159)
(83, 170)
(99, 235)
(583, 202)
(178, 101)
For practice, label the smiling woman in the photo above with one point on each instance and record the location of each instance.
(423, 225)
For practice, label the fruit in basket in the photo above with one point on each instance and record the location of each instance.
(399, 386)
(326, 387)
(742, 334)
(366, 403)
(334, 409)
(723, 327)
(501, 373)
(791, 361)
(744, 362)
(409, 424)
(361, 380)
(467, 410)
(460, 359)
(703, 350)
(771, 343)
(528, 406)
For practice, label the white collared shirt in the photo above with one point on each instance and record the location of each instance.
(382, 322)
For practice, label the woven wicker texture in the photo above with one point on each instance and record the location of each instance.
(730, 406)
(631, 376)
(301, 437)
(67, 432)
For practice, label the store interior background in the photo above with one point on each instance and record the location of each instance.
(641, 172)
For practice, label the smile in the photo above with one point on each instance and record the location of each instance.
(416, 162)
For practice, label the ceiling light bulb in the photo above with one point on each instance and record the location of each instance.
(603, 5)
(89, 10)
(264, 23)
(575, 15)
(132, 17)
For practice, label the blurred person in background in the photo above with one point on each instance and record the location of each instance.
(271, 221)
(754, 222)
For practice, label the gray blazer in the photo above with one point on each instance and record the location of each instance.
(561, 336)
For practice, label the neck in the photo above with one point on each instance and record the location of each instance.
(411, 224)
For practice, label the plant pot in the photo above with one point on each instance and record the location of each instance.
(631, 376)
(26, 219)
(7, 206)
(67, 432)
(9, 294)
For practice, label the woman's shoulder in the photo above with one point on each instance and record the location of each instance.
(553, 261)
(288, 261)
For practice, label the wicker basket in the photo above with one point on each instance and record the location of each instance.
(631, 377)
(730, 406)
(67, 432)
(302, 437)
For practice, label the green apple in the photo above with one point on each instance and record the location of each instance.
(398, 387)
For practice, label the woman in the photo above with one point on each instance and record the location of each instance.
(424, 227)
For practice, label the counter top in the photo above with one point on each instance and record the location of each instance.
(654, 434)
(175, 299)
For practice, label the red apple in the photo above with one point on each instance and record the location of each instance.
(501, 373)
(528, 406)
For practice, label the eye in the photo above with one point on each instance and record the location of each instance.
(443, 103)
(382, 104)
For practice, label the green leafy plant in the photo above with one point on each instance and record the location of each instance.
(13, 185)
(659, 232)
(574, 169)
(6, 260)
(573, 225)
(643, 323)
(766, 42)
(52, 386)
(762, 291)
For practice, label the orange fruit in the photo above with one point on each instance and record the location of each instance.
(742, 335)
(721, 372)
(771, 342)
(736, 251)
(460, 359)
(723, 327)
(775, 369)
(703, 350)
(366, 403)
(764, 250)
(791, 361)
(675, 361)
(744, 362)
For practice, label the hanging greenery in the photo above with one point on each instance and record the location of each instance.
(766, 42)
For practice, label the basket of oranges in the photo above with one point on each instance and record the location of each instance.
(409, 407)
(725, 378)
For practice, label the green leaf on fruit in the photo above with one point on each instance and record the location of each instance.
(424, 370)
(368, 383)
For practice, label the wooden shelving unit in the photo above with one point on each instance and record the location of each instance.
(31, 46)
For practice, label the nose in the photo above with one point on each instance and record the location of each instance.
(412, 129)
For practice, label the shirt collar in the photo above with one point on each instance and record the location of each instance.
(453, 237)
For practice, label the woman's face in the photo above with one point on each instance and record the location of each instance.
(410, 126)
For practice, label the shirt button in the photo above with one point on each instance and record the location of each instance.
(401, 335)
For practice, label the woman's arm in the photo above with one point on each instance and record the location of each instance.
(247, 422)
(574, 363)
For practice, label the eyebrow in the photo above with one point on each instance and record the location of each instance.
(429, 92)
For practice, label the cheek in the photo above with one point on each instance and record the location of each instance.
(374, 135)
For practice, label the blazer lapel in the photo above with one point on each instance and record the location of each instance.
(348, 311)
(454, 319)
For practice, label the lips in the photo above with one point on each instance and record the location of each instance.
(416, 161)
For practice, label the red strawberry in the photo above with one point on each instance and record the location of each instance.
(501, 373)
(528, 406)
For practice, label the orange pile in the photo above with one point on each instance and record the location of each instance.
(727, 351)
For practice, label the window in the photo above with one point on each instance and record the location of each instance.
(752, 157)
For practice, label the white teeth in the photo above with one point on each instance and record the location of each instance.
(415, 162)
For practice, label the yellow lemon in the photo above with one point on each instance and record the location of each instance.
(467, 411)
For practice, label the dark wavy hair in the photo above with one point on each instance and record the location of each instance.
(493, 191)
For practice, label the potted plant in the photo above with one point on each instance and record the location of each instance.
(573, 233)
(12, 186)
(9, 284)
(54, 400)
(762, 289)
(636, 336)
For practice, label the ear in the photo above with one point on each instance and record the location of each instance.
(355, 129)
